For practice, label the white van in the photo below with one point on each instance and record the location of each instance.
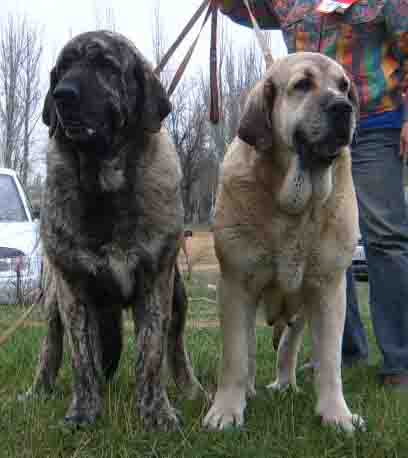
(20, 245)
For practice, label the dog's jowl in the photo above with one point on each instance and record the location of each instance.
(285, 230)
(111, 227)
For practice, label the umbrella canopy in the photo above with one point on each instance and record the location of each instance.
(262, 10)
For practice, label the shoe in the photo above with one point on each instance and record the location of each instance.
(395, 382)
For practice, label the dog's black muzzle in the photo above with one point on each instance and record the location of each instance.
(67, 97)
(339, 114)
(79, 124)
(324, 150)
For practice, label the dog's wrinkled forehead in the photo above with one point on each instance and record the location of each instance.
(92, 45)
(312, 65)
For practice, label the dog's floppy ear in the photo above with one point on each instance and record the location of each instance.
(256, 125)
(49, 114)
(156, 105)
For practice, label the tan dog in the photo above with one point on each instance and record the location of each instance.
(285, 230)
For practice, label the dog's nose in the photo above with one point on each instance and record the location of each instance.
(67, 91)
(339, 112)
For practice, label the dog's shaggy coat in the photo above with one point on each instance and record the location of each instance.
(111, 226)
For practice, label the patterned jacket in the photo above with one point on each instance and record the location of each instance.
(370, 40)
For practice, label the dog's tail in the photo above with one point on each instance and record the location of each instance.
(110, 324)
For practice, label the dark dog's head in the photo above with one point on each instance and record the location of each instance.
(306, 105)
(101, 87)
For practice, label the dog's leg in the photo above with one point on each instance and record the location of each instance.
(178, 357)
(51, 351)
(152, 314)
(327, 323)
(80, 327)
(288, 350)
(237, 315)
(278, 329)
(251, 391)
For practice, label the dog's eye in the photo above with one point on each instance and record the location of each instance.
(304, 85)
(343, 85)
(64, 65)
(67, 61)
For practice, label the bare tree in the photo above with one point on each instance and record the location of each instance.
(20, 95)
(30, 95)
(186, 123)
(159, 41)
(11, 59)
(239, 70)
(201, 145)
(104, 16)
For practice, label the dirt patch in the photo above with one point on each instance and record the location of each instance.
(201, 251)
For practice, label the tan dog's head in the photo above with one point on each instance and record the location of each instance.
(305, 105)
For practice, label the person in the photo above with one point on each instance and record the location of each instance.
(370, 40)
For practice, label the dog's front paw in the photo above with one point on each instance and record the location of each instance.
(164, 419)
(78, 420)
(345, 421)
(82, 415)
(226, 412)
(282, 385)
(347, 424)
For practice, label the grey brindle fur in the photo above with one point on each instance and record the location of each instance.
(111, 227)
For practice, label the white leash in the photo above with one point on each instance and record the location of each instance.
(260, 38)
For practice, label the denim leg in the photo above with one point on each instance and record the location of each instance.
(378, 178)
(355, 344)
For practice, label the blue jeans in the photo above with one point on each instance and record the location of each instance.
(378, 178)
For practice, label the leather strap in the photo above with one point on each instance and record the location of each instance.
(181, 37)
(214, 99)
(180, 71)
(260, 38)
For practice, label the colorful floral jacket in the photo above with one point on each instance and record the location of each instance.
(370, 40)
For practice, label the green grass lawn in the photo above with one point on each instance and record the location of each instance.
(277, 426)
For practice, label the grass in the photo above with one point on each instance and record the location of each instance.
(277, 426)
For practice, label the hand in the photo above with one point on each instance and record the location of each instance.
(404, 142)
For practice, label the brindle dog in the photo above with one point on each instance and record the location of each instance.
(111, 227)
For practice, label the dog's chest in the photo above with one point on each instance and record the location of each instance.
(108, 217)
(283, 265)
(289, 256)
